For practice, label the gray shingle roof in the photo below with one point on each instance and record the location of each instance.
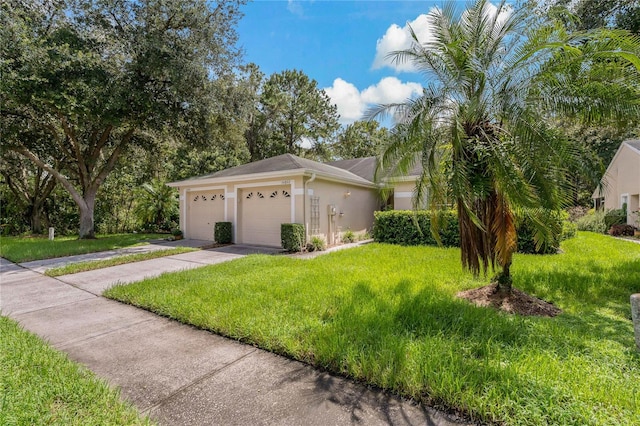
(363, 167)
(366, 167)
(282, 163)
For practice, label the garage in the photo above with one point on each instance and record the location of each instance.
(205, 208)
(261, 211)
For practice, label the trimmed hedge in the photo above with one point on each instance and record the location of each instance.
(292, 236)
(399, 227)
(526, 242)
(222, 232)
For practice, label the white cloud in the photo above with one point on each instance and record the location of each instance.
(399, 38)
(295, 7)
(390, 90)
(353, 103)
(347, 98)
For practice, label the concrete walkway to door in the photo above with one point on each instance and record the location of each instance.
(180, 375)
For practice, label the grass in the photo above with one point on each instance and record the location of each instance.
(39, 385)
(91, 265)
(387, 315)
(25, 249)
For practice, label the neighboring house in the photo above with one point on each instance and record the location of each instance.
(621, 182)
(258, 197)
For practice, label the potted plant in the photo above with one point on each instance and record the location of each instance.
(176, 234)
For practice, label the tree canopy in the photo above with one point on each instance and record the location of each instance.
(98, 77)
(292, 115)
(360, 139)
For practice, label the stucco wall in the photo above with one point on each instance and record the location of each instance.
(403, 195)
(294, 184)
(623, 177)
(354, 208)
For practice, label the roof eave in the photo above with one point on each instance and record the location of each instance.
(271, 175)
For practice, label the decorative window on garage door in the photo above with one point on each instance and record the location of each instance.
(315, 215)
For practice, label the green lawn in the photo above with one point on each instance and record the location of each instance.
(387, 315)
(39, 385)
(25, 249)
(74, 268)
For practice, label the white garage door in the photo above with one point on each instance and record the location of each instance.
(204, 210)
(261, 212)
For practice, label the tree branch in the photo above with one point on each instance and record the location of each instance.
(100, 144)
(113, 158)
(82, 167)
(77, 197)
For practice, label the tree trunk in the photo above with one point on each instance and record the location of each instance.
(35, 220)
(87, 230)
(503, 280)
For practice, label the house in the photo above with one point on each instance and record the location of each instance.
(258, 197)
(621, 181)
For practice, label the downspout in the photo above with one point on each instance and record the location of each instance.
(304, 206)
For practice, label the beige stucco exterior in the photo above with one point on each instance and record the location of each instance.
(352, 208)
(621, 182)
(403, 194)
(256, 206)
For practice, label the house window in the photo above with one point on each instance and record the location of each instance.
(315, 216)
(624, 201)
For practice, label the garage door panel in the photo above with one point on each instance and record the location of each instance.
(204, 210)
(262, 212)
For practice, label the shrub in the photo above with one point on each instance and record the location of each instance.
(364, 236)
(292, 236)
(222, 232)
(621, 229)
(560, 229)
(615, 217)
(176, 232)
(411, 228)
(348, 236)
(569, 230)
(317, 243)
(593, 222)
(576, 212)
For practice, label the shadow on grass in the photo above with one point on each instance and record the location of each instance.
(464, 350)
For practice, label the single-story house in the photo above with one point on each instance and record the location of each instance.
(258, 197)
(621, 182)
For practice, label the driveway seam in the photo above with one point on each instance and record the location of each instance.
(104, 333)
(147, 411)
(50, 307)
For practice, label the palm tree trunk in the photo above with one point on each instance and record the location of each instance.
(503, 280)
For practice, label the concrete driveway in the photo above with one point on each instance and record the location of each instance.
(180, 375)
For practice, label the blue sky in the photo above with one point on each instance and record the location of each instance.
(340, 44)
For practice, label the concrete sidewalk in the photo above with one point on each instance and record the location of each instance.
(44, 264)
(180, 375)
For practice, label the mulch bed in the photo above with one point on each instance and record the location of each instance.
(518, 302)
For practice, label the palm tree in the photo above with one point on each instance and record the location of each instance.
(482, 129)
